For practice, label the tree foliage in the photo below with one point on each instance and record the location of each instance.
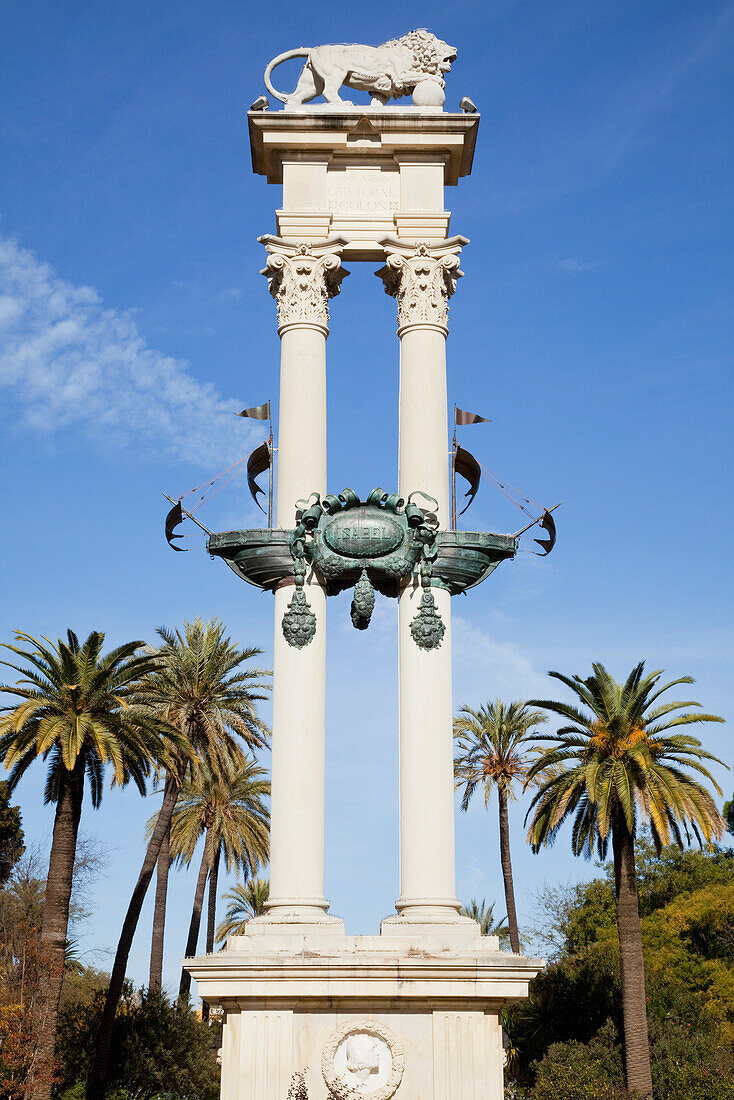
(202, 688)
(492, 748)
(157, 1047)
(11, 834)
(492, 752)
(24, 963)
(728, 815)
(246, 900)
(619, 762)
(231, 814)
(620, 756)
(231, 808)
(574, 1008)
(575, 917)
(483, 914)
(203, 695)
(74, 712)
(71, 708)
(583, 1071)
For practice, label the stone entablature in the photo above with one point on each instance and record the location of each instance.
(363, 176)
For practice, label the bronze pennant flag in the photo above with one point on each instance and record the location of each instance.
(260, 412)
(466, 464)
(258, 461)
(462, 417)
(548, 524)
(173, 519)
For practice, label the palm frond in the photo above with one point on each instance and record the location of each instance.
(627, 762)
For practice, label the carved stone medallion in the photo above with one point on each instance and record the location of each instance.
(363, 1058)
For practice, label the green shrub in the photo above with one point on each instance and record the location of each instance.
(77, 1091)
(157, 1047)
(569, 1001)
(689, 1060)
(582, 1071)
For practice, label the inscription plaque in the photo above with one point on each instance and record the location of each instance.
(363, 536)
(353, 192)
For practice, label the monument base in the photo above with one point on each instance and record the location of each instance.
(317, 1015)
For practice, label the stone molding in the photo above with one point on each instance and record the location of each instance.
(422, 278)
(337, 1085)
(397, 968)
(302, 277)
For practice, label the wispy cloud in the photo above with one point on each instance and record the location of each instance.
(485, 668)
(472, 877)
(67, 361)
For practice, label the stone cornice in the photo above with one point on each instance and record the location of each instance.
(422, 278)
(250, 975)
(302, 278)
(394, 131)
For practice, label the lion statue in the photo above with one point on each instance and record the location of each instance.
(386, 72)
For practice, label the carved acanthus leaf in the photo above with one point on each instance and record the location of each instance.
(302, 284)
(422, 283)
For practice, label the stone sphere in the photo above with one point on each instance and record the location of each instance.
(428, 93)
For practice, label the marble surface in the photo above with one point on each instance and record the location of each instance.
(433, 994)
(412, 65)
(363, 174)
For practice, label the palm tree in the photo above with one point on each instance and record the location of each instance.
(200, 692)
(75, 715)
(491, 752)
(245, 902)
(614, 766)
(231, 816)
(483, 914)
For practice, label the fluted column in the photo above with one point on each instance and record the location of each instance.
(422, 279)
(302, 279)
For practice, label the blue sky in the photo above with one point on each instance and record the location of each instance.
(594, 326)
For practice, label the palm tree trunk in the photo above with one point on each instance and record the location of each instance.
(155, 979)
(634, 1012)
(185, 984)
(211, 916)
(98, 1076)
(507, 871)
(55, 926)
(211, 922)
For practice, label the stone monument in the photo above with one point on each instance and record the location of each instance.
(309, 1011)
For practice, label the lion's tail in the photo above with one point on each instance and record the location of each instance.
(301, 52)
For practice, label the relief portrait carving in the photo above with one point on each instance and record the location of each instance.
(363, 1059)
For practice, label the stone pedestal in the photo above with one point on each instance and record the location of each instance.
(416, 1016)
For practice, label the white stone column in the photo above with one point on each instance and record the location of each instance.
(422, 279)
(301, 278)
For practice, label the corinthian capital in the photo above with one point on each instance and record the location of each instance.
(302, 278)
(422, 278)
